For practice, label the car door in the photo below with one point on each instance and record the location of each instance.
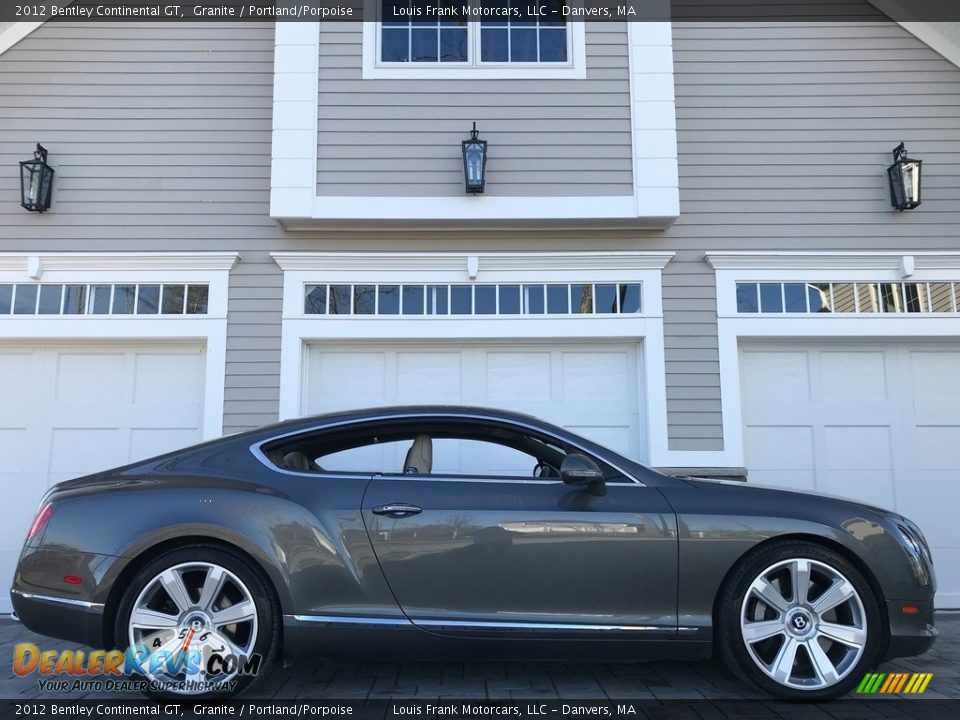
(484, 554)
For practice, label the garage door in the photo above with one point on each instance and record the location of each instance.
(69, 410)
(591, 389)
(876, 423)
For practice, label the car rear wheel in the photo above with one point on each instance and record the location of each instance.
(800, 621)
(200, 622)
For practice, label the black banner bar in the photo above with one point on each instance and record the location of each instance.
(458, 10)
(388, 709)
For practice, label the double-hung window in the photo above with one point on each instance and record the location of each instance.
(473, 38)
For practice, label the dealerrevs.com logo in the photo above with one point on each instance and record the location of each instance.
(199, 663)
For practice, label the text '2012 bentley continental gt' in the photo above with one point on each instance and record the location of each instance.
(456, 532)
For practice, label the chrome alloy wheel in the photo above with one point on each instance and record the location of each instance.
(194, 606)
(803, 624)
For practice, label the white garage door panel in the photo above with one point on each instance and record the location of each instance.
(590, 389)
(70, 410)
(878, 423)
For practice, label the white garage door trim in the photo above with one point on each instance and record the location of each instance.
(299, 329)
(212, 269)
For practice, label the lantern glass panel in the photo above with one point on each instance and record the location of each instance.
(474, 164)
(911, 181)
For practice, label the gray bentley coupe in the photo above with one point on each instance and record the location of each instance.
(464, 532)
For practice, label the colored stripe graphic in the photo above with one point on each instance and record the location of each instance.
(903, 681)
(891, 681)
(894, 683)
(867, 679)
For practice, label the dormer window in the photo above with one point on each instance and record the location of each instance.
(501, 39)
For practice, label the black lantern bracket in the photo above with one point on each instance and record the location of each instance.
(36, 181)
(904, 178)
(474, 163)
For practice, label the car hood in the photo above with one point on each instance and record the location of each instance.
(747, 486)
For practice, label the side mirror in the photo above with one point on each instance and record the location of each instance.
(578, 469)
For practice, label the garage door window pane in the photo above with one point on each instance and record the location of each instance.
(461, 300)
(100, 300)
(747, 298)
(413, 299)
(340, 299)
(630, 298)
(388, 297)
(197, 298)
(364, 299)
(485, 300)
(74, 300)
(843, 298)
(915, 297)
(795, 297)
(533, 299)
(771, 299)
(315, 302)
(173, 297)
(605, 298)
(6, 299)
(868, 298)
(558, 300)
(148, 300)
(50, 297)
(509, 299)
(437, 300)
(941, 297)
(25, 300)
(818, 296)
(124, 298)
(581, 299)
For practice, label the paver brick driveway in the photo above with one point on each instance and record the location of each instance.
(707, 680)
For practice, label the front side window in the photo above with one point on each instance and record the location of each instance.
(493, 32)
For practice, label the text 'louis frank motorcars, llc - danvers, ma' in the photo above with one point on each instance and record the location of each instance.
(463, 532)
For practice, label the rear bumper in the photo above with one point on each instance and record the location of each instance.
(64, 618)
(910, 634)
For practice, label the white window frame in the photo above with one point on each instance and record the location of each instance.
(211, 269)
(300, 330)
(575, 68)
(746, 266)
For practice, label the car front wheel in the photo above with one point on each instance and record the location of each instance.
(800, 621)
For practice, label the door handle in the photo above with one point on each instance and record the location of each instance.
(397, 510)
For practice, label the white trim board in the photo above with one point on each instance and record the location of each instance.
(15, 33)
(654, 203)
(929, 33)
(749, 266)
(212, 269)
(299, 329)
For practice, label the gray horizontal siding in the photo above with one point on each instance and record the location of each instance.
(784, 133)
(402, 137)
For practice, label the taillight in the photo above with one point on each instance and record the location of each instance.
(40, 521)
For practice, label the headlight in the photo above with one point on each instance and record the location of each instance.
(918, 552)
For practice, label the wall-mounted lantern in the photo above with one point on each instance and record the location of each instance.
(474, 163)
(904, 176)
(36, 181)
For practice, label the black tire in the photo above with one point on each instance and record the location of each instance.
(267, 642)
(740, 658)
